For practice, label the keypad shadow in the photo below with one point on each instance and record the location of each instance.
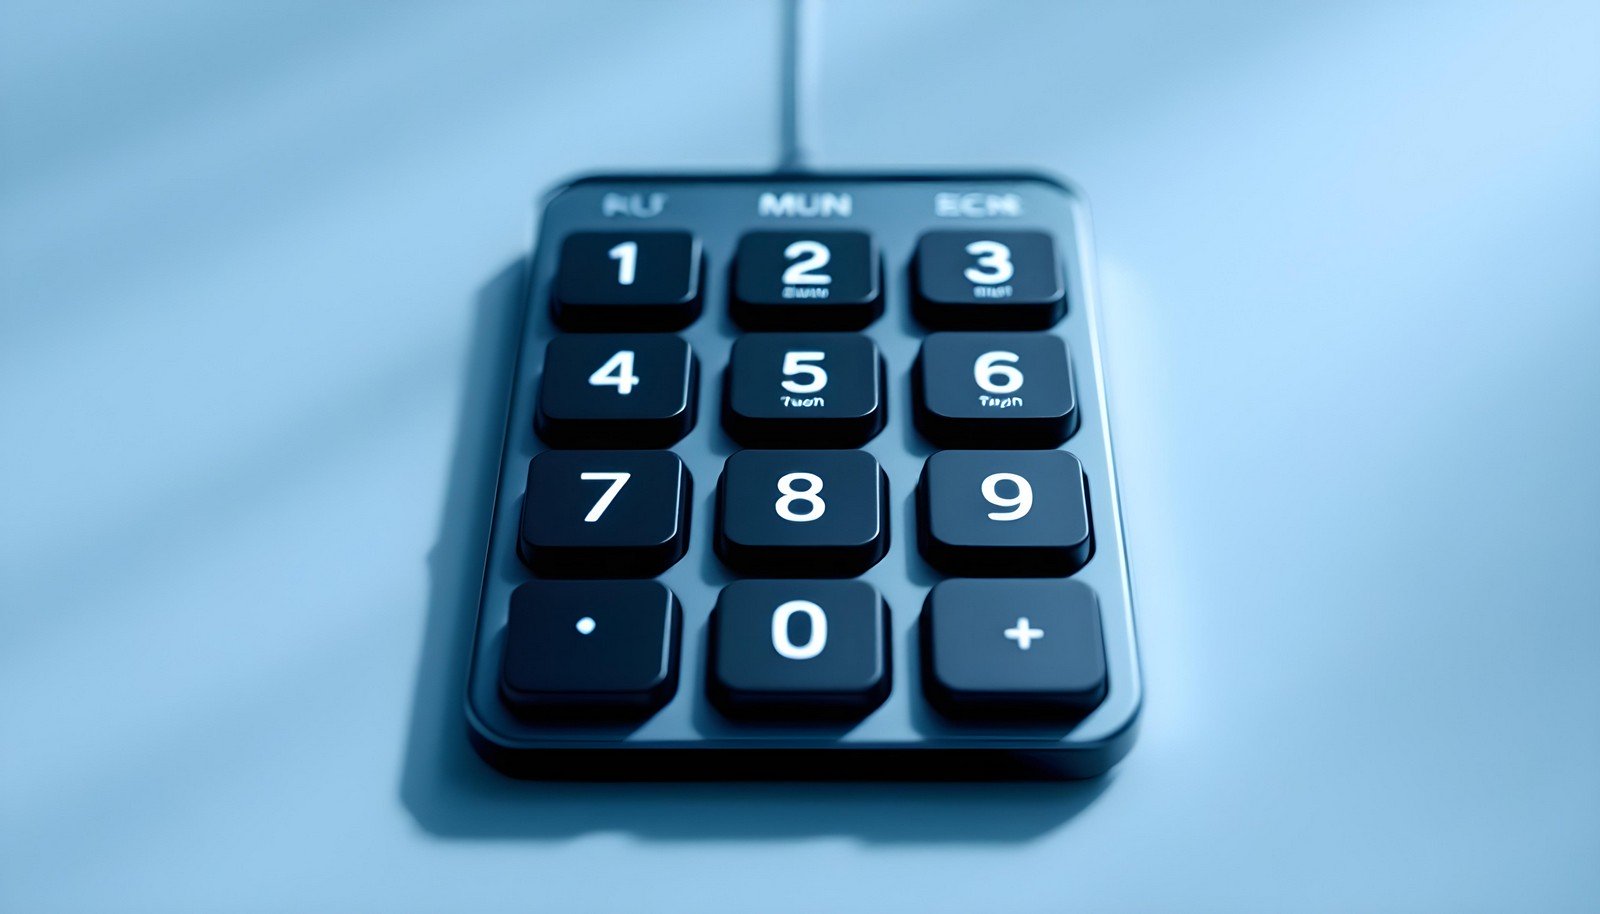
(451, 793)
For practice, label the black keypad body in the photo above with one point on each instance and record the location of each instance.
(617, 390)
(806, 477)
(806, 280)
(994, 390)
(1004, 513)
(799, 649)
(804, 390)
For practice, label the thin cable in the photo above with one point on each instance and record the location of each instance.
(796, 81)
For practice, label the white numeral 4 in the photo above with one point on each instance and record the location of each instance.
(616, 372)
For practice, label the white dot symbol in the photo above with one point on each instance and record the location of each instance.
(585, 625)
(1024, 634)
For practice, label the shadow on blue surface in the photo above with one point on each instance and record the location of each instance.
(453, 793)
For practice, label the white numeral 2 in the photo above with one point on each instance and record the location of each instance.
(815, 256)
(617, 480)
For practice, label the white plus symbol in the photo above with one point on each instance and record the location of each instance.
(1024, 634)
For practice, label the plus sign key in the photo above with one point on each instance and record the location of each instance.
(1013, 649)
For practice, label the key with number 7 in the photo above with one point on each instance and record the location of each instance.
(605, 513)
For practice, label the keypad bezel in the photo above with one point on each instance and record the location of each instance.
(689, 737)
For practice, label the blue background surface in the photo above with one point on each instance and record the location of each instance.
(257, 266)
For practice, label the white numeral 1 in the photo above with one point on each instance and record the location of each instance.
(617, 480)
(626, 255)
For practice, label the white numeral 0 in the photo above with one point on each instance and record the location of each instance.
(811, 495)
(626, 255)
(795, 363)
(815, 255)
(992, 256)
(984, 371)
(1020, 505)
(780, 630)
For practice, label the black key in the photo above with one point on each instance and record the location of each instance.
(805, 389)
(806, 280)
(817, 514)
(605, 513)
(593, 648)
(995, 280)
(628, 281)
(994, 390)
(1013, 649)
(617, 390)
(1004, 513)
(817, 649)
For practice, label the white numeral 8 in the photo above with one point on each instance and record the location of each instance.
(1020, 504)
(811, 495)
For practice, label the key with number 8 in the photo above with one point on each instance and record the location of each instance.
(802, 513)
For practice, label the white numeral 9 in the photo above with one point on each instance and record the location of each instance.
(994, 258)
(807, 256)
(985, 370)
(811, 495)
(626, 255)
(1020, 504)
(780, 630)
(795, 363)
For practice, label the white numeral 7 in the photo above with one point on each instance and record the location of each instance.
(617, 480)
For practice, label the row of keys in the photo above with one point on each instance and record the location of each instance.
(651, 280)
(805, 513)
(787, 649)
(810, 389)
